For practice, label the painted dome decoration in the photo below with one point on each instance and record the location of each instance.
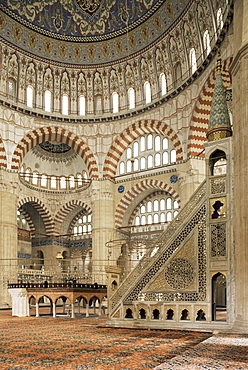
(84, 18)
(88, 32)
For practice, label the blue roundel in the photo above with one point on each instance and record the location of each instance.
(121, 189)
(173, 179)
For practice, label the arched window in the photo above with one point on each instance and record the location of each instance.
(62, 182)
(146, 152)
(82, 225)
(129, 166)
(53, 182)
(82, 105)
(115, 101)
(155, 218)
(162, 204)
(219, 18)
(30, 96)
(71, 182)
(79, 180)
(168, 203)
(206, 42)
(65, 104)
(35, 178)
(131, 98)
(27, 174)
(135, 149)
(155, 205)
(122, 168)
(165, 158)
(147, 88)
(165, 143)
(48, 100)
(142, 143)
(149, 161)
(163, 84)
(157, 159)
(192, 60)
(156, 208)
(157, 143)
(173, 156)
(136, 164)
(143, 209)
(43, 181)
(217, 163)
(129, 153)
(149, 142)
(143, 163)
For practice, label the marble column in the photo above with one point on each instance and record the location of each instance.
(8, 234)
(239, 72)
(102, 227)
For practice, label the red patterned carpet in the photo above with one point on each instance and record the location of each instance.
(84, 343)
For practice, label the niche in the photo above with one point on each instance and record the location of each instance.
(200, 315)
(142, 313)
(185, 314)
(129, 314)
(155, 314)
(217, 163)
(170, 314)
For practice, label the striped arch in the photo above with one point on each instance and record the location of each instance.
(150, 196)
(74, 207)
(59, 134)
(3, 158)
(29, 221)
(133, 132)
(127, 199)
(42, 210)
(201, 114)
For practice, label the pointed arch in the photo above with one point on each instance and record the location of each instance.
(200, 118)
(69, 207)
(29, 221)
(3, 157)
(42, 211)
(131, 133)
(59, 134)
(128, 198)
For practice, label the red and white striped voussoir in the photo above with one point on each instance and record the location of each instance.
(29, 221)
(133, 132)
(201, 114)
(66, 209)
(61, 135)
(43, 212)
(3, 157)
(127, 199)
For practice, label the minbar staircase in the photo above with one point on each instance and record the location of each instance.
(162, 251)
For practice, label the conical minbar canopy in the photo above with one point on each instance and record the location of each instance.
(219, 122)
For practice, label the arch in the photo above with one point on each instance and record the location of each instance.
(43, 212)
(3, 158)
(128, 198)
(144, 201)
(219, 298)
(29, 221)
(133, 132)
(200, 117)
(59, 134)
(65, 211)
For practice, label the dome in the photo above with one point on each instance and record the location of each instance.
(88, 32)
